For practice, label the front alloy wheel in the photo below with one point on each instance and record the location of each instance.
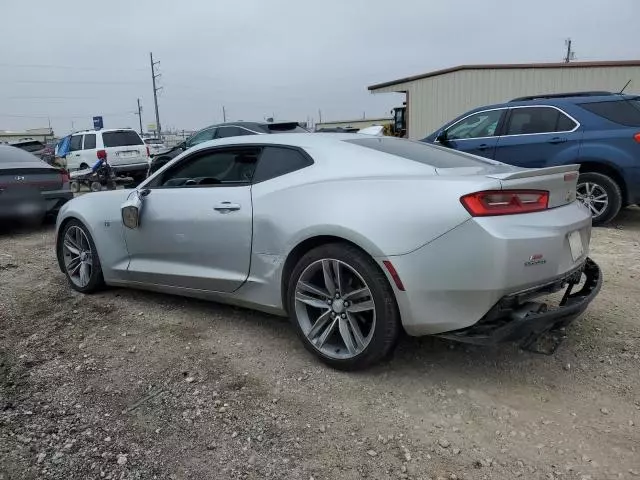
(79, 258)
(343, 306)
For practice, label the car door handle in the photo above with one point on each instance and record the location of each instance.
(483, 146)
(226, 207)
(558, 140)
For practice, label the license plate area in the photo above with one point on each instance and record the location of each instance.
(575, 245)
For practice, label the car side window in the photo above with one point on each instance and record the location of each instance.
(76, 143)
(528, 120)
(89, 141)
(223, 167)
(477, 125)
(277, 161)
(225, 132)
(203, 136)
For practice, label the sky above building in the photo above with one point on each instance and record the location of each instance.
(64, 62)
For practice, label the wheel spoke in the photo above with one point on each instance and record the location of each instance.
(593, 209)
(600, 197)
(85, 273)
(605, 201)
(73, 270)
(357, 332)
(354, 295)
(361, 307)
(79, 238)
(590, 188)
(327, 333)
(346, 336)
(319, 325)
(328, 277)
(314, 302)
(307, 287)
(71, 246)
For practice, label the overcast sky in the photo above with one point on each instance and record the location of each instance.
(70, 60)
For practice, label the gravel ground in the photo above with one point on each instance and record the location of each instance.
(127, 384)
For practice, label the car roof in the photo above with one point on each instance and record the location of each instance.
(557, 101)
(104, 130)
(287, 139)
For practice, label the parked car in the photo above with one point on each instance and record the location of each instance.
(355, 237)
(126, 152)
(598, 130)
(156, 146)
(29, 188)
(224, 130)
(41, 150)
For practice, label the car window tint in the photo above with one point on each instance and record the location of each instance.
(624, 112)
(225, 132)
(122, 138)
(289, 127)
(437, 157)
(202, 136)
(11, 154)
(90, 141)
(529, 120)
(277, 161)
(481, 124)
(220, 167)
(75, 143)
(31, 146)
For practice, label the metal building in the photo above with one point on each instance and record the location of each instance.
(360, 123)
(434, 98)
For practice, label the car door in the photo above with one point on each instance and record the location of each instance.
(475, 133)
(88, 153)
(536, 136)
(74, 157)
(195, 228)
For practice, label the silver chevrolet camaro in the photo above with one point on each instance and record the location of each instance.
(354, 237)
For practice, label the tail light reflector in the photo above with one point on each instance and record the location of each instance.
(636, 137)
(394, 274)
(505, 202)
(65, 176)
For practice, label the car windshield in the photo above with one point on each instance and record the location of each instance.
(420, 152)
(153, 141)
(121, 138)
(30, 146)
(625, 112)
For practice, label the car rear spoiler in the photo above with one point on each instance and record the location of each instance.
(534, 172)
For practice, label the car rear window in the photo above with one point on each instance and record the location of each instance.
(30, 146)
(437, 157)
(122, 138)
(625, 112)
(10, 154)
(291, 127)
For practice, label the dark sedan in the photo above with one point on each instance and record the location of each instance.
(224, 130)
(30, 188)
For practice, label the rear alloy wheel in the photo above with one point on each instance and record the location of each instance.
(343, 307)
(601, 195)
(80, 259)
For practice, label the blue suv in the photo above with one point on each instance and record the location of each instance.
(598, 130)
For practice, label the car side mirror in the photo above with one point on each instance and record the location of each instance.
(442, 137)
(131, 210)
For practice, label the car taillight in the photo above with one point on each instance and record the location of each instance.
(148, 151)
(505, 202)
(636, 137)
(65, 176)
(101, 154)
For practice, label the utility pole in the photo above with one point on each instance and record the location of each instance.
(155, 75)
(320, 116)
(570, 53)
(224, 114)
(139, 114)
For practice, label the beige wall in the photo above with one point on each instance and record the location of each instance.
(434, 101)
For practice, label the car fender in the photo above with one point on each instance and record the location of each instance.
(100, 213)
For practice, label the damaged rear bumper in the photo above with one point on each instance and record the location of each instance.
(517, 318)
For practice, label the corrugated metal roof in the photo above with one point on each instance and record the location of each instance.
(508, 66)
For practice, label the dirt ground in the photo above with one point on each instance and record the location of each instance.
(134, 385)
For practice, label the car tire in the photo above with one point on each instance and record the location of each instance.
(87, 281)
(95, 187)
(591, 189)
(83, 166)
(374, 315)
(74, 186)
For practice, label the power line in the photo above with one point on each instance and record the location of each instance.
(78, 82)
(63, 67)
(86, 115)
